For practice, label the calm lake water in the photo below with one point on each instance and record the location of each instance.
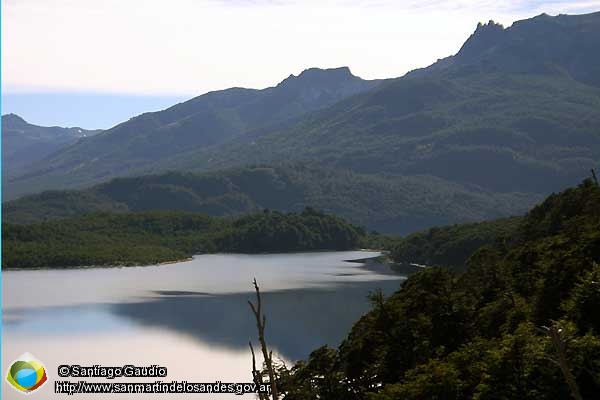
(190, 317)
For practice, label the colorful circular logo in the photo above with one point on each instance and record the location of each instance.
(26, 374)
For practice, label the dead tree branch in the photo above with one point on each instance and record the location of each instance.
(257, 375)
(261, 321)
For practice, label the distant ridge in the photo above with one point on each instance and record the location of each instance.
(24, 143)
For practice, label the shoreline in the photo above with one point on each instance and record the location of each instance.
(100, 266)
(383, 265)
(187, 259)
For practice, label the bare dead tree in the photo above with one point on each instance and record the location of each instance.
(261, 321)
(558, 342)
(594, 177)
(257, 375)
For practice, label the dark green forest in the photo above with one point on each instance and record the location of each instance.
(519, 320)
(501, 131)
(452, 245)
(154, 237)
(391, 204)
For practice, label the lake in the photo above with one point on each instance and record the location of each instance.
(190, 317)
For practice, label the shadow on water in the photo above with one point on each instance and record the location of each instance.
(298, 320)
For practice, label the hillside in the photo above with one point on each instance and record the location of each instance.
(516, 109)
(394, 204)
(149, 139)
(504, 132)
(451, 246)
(520, 323)
(24, 143)
(150, 238)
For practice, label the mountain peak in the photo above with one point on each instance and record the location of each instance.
(13, 119)
(320, 76)
(491, 25)
(485, 36)
(563, 44)
(340, 71)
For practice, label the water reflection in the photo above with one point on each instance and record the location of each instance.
(192, 318)
(298, 320)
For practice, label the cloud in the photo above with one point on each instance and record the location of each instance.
(188, 47)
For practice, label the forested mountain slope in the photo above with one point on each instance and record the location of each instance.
(394, 204)
(512, 111)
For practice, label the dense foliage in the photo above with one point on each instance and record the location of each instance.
(520, 323)
(503, 132)
(395, 204)
(153, 237)
(452, 245)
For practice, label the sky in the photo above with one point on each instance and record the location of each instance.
(93, 63)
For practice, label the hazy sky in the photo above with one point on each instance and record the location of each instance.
(175, 49)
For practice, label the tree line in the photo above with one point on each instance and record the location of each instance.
(159, 236)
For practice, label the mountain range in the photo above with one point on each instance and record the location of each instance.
(514, 113)
(515, 109)
(205, 121)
